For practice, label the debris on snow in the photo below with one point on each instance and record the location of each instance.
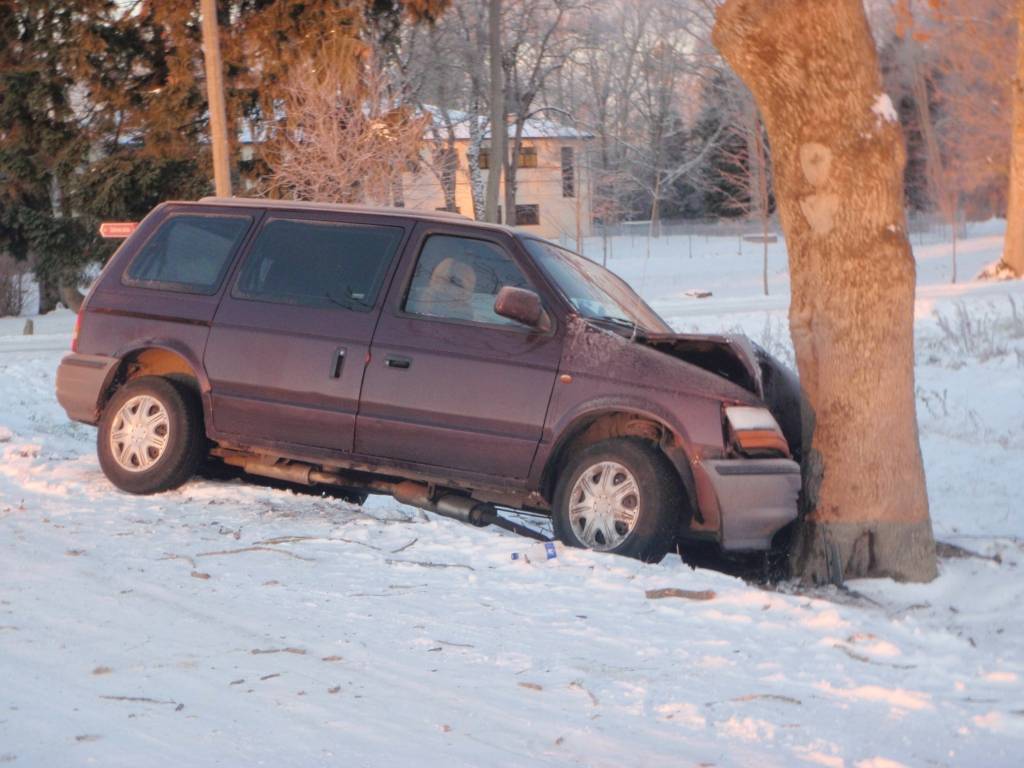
(688, 594)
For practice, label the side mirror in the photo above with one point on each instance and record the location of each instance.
(523, 306)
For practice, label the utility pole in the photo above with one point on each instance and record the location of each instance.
(215, 98)
(499, 131)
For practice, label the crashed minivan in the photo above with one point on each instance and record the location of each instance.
(462, 367)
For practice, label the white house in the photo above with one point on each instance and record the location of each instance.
(552, 185)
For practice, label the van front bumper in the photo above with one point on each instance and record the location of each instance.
(81, 382)
(756, 498)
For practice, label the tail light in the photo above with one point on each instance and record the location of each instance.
(74, 333)
(754, 432)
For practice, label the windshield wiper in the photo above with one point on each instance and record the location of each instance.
(622, 322)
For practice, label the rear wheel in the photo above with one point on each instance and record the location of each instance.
(620, 496)
(151, 436)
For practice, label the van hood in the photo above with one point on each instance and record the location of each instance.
(681, 362)
(725, 366)
(733, 357)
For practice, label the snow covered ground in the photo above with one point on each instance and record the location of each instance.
(230, 624)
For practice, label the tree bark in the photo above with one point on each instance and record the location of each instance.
(499, 131)
(511, 160)
(1013, 250)
(839, 157)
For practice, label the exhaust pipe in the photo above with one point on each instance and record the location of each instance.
(303, 474)
(462, 508)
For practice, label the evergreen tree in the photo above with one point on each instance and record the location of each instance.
(42, 139)
(724, 163)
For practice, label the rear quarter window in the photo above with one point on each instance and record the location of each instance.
(188, 253)
(318, 263)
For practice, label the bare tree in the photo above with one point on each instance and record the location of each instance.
(954, 61)
(536, 43)
(497, 93)
(342, 136)
(838, 176)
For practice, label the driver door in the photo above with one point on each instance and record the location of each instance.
(450, 383)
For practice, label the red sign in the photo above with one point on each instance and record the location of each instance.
(118, 229)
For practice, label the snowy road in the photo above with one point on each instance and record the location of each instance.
(229, 624)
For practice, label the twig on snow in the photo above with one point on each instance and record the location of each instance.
(579, 686)
(767, 697)
(688, 594)
(865, 659)
(427, 564)
(255, 549)
(186, 558)
(145, 700)
(294, 539)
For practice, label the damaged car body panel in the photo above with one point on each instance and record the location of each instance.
(739, 501)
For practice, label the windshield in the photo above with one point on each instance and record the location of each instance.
(592, 290)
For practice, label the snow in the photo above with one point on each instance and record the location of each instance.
(230, 624)
(884, 109)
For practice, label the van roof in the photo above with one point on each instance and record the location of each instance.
(303, 205)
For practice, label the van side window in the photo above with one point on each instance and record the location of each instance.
(318, 263)
(188, 253)
(459, 278)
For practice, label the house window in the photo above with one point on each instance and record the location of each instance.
(527, 157)
(568, 172)
(527, 215)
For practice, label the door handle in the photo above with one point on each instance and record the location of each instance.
(337, 362)
(394, 361)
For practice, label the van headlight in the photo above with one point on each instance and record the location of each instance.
(754, 432)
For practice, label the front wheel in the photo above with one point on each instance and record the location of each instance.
(151, 436)
(620, 496)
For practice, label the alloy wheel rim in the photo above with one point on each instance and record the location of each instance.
(139, 433)
(604, 505)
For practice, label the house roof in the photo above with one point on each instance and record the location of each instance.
(533, 128)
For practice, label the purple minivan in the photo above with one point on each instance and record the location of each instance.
(461, 367)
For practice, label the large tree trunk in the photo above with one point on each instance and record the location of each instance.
(1013, 251)
(839, 156)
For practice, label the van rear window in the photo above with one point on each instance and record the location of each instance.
(189, 253)
(318, 263)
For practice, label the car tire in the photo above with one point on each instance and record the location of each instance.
(630, 505)
(151, 435)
